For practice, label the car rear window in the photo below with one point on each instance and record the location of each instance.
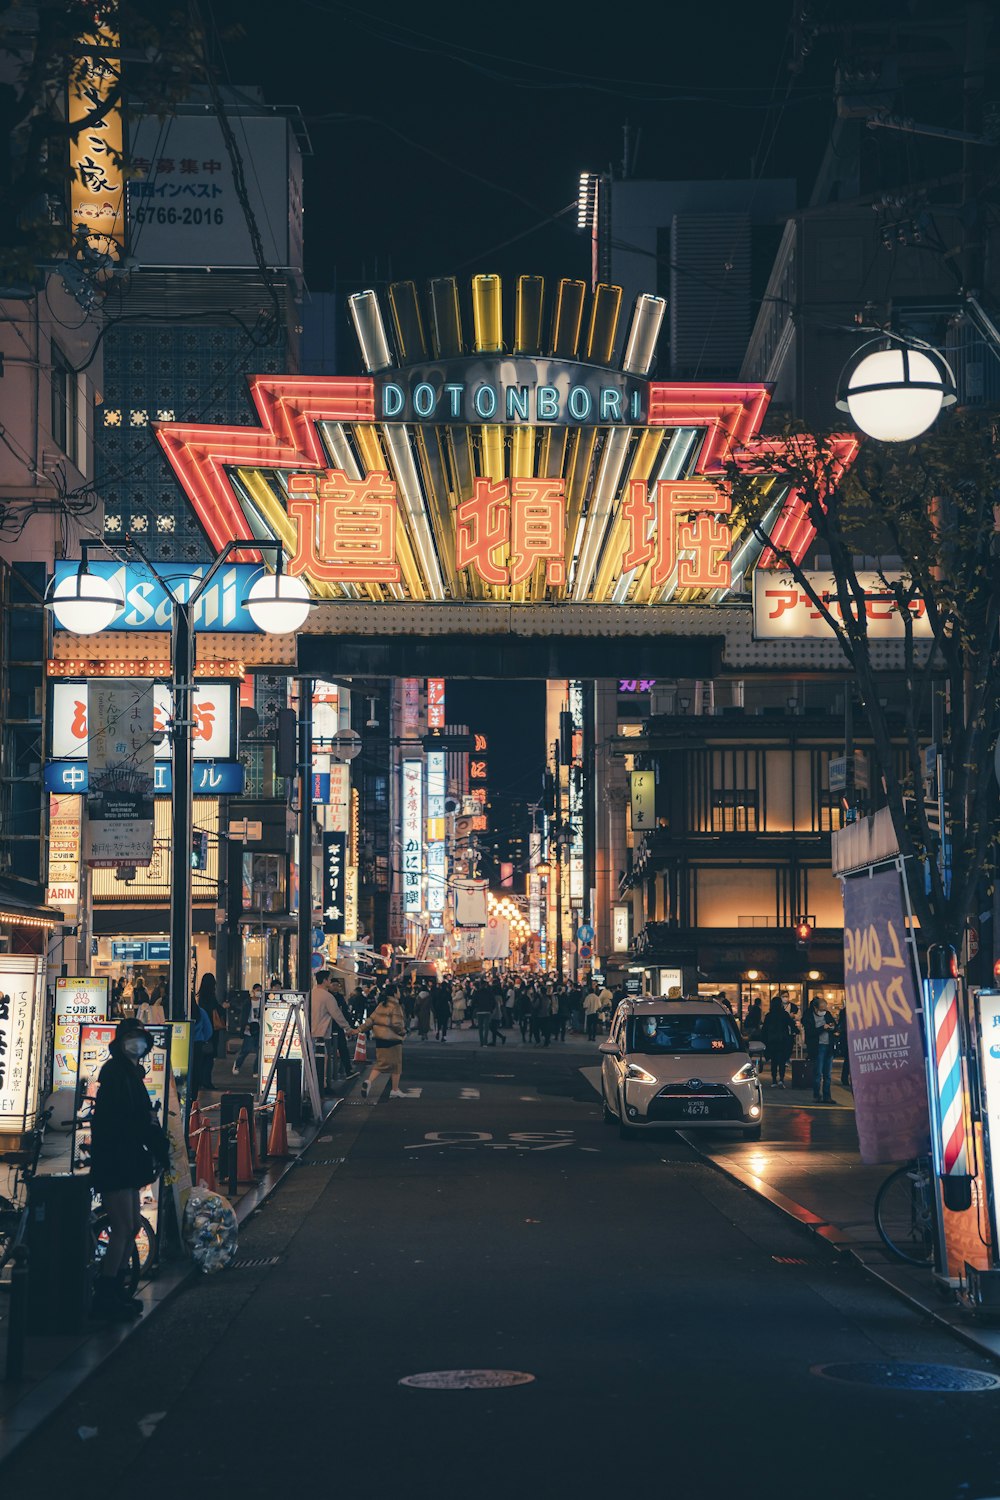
(682, 1033)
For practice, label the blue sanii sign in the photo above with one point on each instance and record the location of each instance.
(211, 778)
(148, 606)
(536, 392)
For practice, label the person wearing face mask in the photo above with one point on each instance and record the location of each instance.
(128, 1149)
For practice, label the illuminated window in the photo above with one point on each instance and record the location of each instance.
(734, 812)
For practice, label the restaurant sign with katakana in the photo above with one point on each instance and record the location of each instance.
(784, 610)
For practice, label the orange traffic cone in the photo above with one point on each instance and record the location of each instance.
(361, 1048)
(277, 1141)
(194, 1123)
(204, 1167)
(244, 1161)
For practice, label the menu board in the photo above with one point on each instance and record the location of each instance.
(80, 1000)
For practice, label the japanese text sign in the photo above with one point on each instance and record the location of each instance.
(412, 830)
(334, 867)
(22, 1021)
(783, 610)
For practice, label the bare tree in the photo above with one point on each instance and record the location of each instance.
(925, 517)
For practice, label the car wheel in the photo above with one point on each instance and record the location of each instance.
(607, 1113)
(753, 1134)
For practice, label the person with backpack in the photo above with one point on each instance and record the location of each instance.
(777, 1032)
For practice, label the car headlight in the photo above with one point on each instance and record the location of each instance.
(635, 1074)
(746, 1074)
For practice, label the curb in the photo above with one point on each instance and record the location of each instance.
(840, 1243)
(45, 1398)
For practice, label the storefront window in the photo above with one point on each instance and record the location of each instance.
(265, 883)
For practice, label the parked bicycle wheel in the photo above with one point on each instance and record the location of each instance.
(141, 1257)
(903, 1215)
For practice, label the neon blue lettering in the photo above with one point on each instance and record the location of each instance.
(424, 400)
(454, 393)
(485, 402)
(611, 406)
(547, 403)
(580, 403)
(517, 403)
(392, 399)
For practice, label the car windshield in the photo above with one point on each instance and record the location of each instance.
(683, 1033)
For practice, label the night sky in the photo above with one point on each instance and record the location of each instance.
(449, 139)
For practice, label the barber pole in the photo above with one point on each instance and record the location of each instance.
(941, 997)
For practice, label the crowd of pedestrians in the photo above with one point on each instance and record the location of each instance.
(823, 1035)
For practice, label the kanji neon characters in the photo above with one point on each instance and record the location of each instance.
(698, 547)
(345, 528)
(528, 516)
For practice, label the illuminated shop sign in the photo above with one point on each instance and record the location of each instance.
(413, 842)
(536, 392)
(347, 530)
(783, 610)
(209, 778)
(212, 710)
(149, 607)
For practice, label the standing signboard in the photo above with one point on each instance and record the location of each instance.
(120, 795)
(80, 999)
(884, 1034)
(272, 1025)
(285, 1034)
(22, 1026)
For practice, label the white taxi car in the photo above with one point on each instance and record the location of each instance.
(679, 1063)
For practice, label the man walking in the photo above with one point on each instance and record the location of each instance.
(327, 1021)
(250, 1025)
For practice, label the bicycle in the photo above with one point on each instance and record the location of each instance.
(13, 1210)
(904, 1213)
(142, 1255)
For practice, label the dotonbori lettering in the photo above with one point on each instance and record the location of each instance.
(511, 391)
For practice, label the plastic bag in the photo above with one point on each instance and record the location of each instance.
(210, 1230)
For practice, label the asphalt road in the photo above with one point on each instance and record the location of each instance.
(673, 1325)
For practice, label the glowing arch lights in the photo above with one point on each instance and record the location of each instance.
(586, 481)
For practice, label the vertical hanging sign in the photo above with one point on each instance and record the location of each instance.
(643, 789)
(437, 880)
(435, 703)
(334, 864)
(120, 799)
(413, 850)
(94, 112)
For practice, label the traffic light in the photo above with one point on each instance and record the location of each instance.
(803, 932)
(199, 850)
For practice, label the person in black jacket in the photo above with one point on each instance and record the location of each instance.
(128, 1149)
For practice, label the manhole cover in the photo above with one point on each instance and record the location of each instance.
(906, 1377)
(466, 1380)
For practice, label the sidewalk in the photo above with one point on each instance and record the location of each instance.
(808, 1167)
(55, 1366)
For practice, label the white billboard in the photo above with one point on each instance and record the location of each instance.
(211, 737)
(413, 836)
(183, 207)
(782, 609)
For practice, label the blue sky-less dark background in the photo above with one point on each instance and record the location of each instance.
(449, 138)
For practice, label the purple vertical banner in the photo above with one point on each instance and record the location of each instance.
(884, 1035)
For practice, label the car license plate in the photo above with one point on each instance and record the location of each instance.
(695, 1107)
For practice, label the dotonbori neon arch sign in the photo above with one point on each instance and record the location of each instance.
(452, 470)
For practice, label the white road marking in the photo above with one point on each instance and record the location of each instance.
(469, 1094)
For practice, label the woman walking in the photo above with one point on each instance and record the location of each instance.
(777, 1031)
(387, 1024)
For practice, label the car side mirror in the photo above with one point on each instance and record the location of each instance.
(610, 1049)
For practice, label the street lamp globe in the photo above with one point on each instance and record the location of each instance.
(278, 603)
(85, 604)
(895, 391)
